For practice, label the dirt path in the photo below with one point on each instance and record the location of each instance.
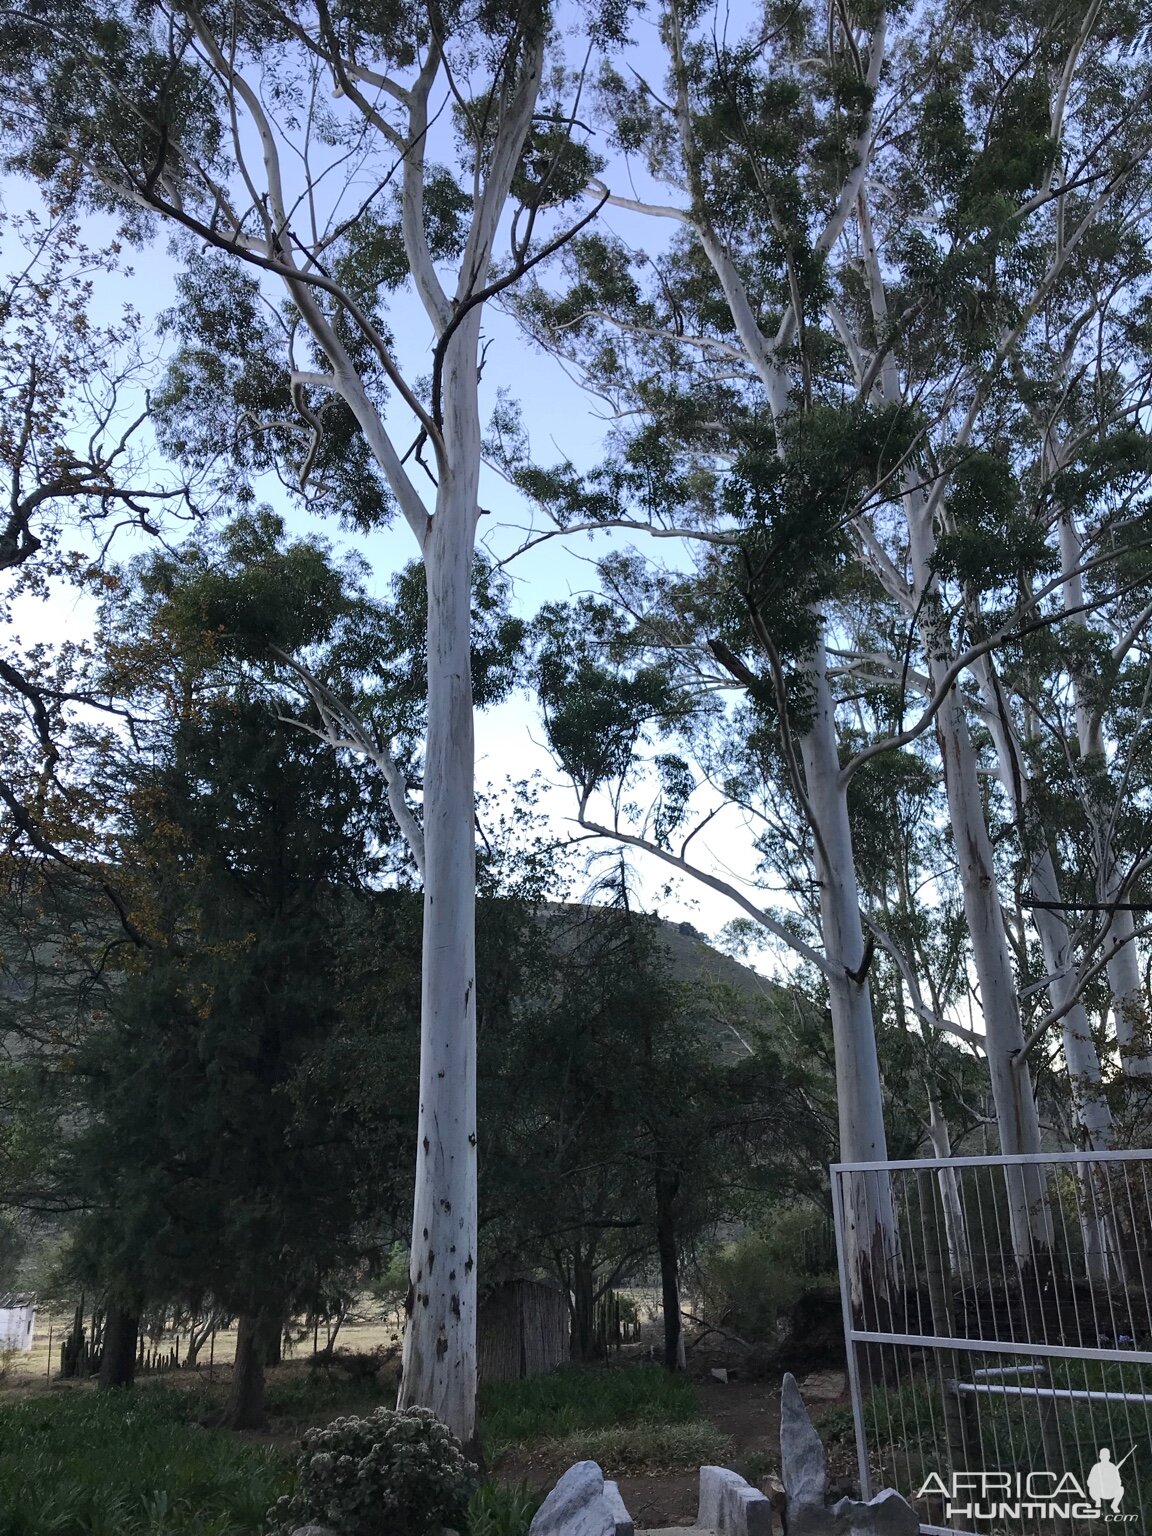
(747, 1412)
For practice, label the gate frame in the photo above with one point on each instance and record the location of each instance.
(853, 1336)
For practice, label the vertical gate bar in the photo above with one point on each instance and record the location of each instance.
(839, 1175)
(954, 1404)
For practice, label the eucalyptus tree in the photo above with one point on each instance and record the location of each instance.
(312, 162)
(880, 221)
(74, 475)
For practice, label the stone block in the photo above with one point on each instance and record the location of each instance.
(731, 1506)
(620, 1516)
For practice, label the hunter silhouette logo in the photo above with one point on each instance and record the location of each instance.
(1037, 1495)
(1105, 1485)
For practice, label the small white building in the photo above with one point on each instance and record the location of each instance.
(17, 1323)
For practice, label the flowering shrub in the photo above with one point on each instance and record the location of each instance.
(393, 1473)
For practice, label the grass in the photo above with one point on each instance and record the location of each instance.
(642, 1447)
(85, 1463)
(296, 1401)
(627, 1418)
(500, 1509)
(94, 1464)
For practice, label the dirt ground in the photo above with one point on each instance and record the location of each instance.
(746, 1411)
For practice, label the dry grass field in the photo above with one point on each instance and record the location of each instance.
(24, 1368)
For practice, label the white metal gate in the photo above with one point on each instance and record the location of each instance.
(1005, 1388)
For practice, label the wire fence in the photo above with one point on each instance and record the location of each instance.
(1001, 1366)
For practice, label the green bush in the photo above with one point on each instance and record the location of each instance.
(393, 1473)
(749, 1285)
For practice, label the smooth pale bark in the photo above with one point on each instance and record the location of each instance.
(439, 1359)
(1129, 1009)
(1080, 1054)
(1017, 1118)
(955, 1224)
(870, 1222)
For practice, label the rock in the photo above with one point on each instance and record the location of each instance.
(576, 1506)
(803, 1465)
(313, 1530)
(620, 1516)
(731, 1506)
(888, 1514)
(718, 1373)
(804, 1470)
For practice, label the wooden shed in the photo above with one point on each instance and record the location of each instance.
(17, 1323)
(524, 1329)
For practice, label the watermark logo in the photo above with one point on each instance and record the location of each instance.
(1035, 1495)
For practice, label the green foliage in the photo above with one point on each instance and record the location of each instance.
(602, 1044)
(298, 1401)
(105, 1464)
(579, 1400)
(597, 713)
(796, 508)
(992, 536)
(391, 1473)
(13, 1246)
(752, 1283)
(502, 1509)
(212, 1157)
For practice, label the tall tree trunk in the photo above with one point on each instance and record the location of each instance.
(583, 1345)
(439, 1360)
(1017, 1119)
(1129, 1008)
(196, 1339)
(274, 1345)
(667, 1188)
(870, 1227)
(951, 1202)
(245, 1407)
(1080, 1053)
(121, 1336)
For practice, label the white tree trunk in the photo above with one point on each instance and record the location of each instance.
(1017, 1119)
(1129, 1009)
(871, 1223)
(439, 1360)
(1080, 1053)
(955, 1225)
